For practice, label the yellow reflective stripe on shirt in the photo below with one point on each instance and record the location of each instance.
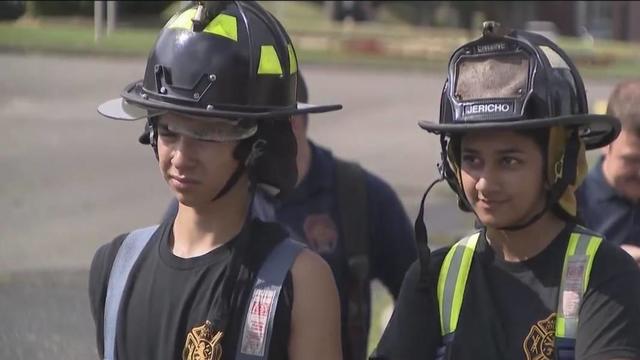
(182, 21)
(442, 280)
(223, 25)
(452, 282)
(269, 62)
(576, 272)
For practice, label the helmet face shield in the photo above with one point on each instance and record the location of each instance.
(486, 77)
(517, 80)
(491, 82)
(229, 59)
(206, 129)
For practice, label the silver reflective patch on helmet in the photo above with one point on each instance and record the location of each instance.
(209, 129)
(486, 77)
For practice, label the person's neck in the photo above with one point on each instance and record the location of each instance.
(198, 230)
(303, 159)
(524, 244)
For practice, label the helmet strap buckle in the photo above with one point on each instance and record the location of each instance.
(558, 168)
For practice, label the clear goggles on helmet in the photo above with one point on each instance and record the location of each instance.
(206, 128)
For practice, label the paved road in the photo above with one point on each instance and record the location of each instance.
(71, 180)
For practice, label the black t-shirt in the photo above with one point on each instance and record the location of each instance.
(508, 311)
(167, 297)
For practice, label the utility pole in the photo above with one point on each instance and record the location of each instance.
(112, 16)
(98, 20)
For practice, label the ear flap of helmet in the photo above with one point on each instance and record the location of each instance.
(451, 169)
(567, 166)
(270, 157)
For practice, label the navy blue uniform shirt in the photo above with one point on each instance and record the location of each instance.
(605, 211)
(310, 214)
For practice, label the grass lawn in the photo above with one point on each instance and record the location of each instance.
(386, 44)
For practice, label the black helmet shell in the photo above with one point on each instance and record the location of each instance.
(517, 80)
(235, 61)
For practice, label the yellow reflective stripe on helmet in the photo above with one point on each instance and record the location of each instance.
(576, 272)
(182, 21)
(453, 280)
(223, 25)
(269, 62)
(293, 61)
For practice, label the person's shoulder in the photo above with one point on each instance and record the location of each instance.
(611, 256)
(264, 237)
(436, 259)
(376, 186)
(310, 273)
(99, 272)
(610, 260)
(309, 265)
(104, 257)
(267, 229)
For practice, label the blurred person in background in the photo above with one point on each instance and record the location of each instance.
(349, 216)
(213, 282)
(609, 198)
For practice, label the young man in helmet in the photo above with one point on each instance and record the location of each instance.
(530, 283)
(215, 283)
(608, 200)
(350, 217)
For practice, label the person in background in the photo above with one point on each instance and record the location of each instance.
(609, 198)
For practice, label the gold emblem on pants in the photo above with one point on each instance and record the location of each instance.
(203, 343)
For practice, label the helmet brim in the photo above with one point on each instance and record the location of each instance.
(120, 109)
(595, 130)
(133, 106)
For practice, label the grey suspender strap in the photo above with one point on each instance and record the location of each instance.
(257, 327)
(125, 258)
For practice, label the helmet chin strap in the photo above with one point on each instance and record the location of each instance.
(257, 149)
(529, 222)
(421, 236)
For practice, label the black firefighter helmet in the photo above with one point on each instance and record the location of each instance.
(230, 61)
(518, 80)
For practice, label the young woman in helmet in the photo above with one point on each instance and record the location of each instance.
(214, 283)
(530, 283)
